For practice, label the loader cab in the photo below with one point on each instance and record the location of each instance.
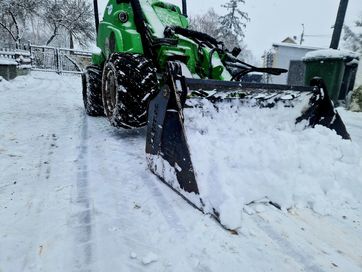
(169, 14)
(118, 31)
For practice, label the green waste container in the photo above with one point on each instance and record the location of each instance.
(330, 65)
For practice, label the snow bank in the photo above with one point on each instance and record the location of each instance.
(245, 154)
(329, 53)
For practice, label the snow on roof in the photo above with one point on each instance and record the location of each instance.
(289, 40)
(330, 54)
(295, 46)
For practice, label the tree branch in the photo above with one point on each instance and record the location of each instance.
(16, 25)
(55, 33)
(8, 30)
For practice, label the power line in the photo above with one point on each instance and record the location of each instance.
(318, 35)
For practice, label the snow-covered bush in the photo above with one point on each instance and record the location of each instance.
(356, 102)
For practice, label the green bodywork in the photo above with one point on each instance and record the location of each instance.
(115, 36)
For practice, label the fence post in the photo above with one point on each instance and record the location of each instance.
(31, 53)
(58, 60)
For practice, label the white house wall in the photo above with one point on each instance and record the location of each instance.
(283, 56)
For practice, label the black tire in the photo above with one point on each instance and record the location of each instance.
(92, 91)
(129, 82)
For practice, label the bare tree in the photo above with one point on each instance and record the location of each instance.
(14, 16)
(70, 17)
(227, 28)
(207, 23)
(53, 16)
(210, 23)
(80, 25)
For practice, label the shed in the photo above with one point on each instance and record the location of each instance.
(8, 68)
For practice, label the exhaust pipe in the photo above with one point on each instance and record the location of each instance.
(96, 14)
(184, 8)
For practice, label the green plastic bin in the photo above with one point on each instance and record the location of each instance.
(330, 65)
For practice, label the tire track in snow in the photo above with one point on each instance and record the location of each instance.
(170, 215)
(123, 188)
(117, 201)
(153, 185)
(304, 259)
(45, 146)
(151, 182)
(48, 162)
(83, 218)
(35, 203)
(120, 187)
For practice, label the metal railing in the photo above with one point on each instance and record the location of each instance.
(49, 59)
(60, 60)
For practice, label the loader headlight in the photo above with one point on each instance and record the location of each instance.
(123, 17)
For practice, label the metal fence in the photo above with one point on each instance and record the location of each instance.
(60, 60)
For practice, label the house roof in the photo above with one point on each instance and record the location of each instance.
(296, 46)
(289, 40)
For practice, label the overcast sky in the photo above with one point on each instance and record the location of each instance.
(274, 20)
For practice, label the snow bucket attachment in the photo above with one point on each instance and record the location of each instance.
(168, 153)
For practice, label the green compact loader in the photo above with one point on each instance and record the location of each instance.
(150, 64)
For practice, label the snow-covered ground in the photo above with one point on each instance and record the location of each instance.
(76, 195)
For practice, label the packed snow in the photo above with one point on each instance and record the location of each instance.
(245, 154)
(76, 194)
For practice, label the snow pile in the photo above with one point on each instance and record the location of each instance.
(329, 54)
(246, 154)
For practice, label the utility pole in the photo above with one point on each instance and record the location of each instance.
(339, 24)
(184, 8)
(302, 36)
(96, 14)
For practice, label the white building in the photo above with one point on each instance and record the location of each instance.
(280, 56)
